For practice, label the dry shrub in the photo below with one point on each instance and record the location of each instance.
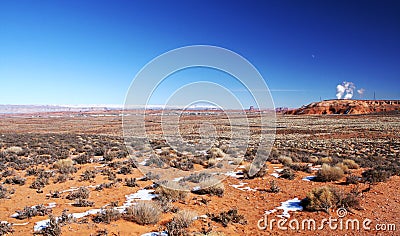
(351, 164)
(285, 160)
(328, 173)
(312, 159)
(83, 203)
(82, 193)
(344, 167)
(230, 216)
(65, 166)
(325, 160)
(4, 192)
(325, 198)
(171, 191)
(53, 227)
(215, 153)
(287, 173)
(29, 212)
(131, 182)
(15, 180)
(251, 168)
(197, 177)
(14, 149)
(107, 215)
(88, 175)
(211, 186)
(352, 179)
(374, 176)
(144, 213)
(181, 221)
(274, 188)
(6, 228)
(319, 199)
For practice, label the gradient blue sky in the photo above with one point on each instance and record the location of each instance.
(87, 52)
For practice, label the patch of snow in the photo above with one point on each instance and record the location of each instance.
(241, 185)
(276, 175)
(20, 224)
(308, 178)
(40, 225)
(237, 174)
(164, 233)
(177, 179)
(197, 188)
(143, 194)
(143, 163)
(270, 211)
(290, 205)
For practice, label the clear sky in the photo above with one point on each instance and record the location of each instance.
(88, 52)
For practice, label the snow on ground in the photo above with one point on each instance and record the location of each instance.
(289, 205)
(241, 185)
(142, 194)
(50, 205)
(276, 172)
(237, 174)
(164, 233)
(308, 178)
(177, 179)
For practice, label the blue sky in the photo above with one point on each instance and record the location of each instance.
(88, 52)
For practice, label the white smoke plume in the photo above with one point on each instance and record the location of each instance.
(345, 90)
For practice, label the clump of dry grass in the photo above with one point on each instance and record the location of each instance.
(210, 186)
(319, 199)
(230, 216)
(328, 173)
(326, 198)
(215, 153)
(351, 164)
(83, 203)
(82, 193)
(251, 168)
(29, 212)
(144, 213)
(343, 167)
(285, 160)
(172, 191)
(107, 215)
(325, 160)
(181, 221)
(65, 166)
(14, 149)
(6, 228)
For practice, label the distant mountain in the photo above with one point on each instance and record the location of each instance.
(347, 106)
(19, 109)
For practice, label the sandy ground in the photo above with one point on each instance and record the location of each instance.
(381, 204)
